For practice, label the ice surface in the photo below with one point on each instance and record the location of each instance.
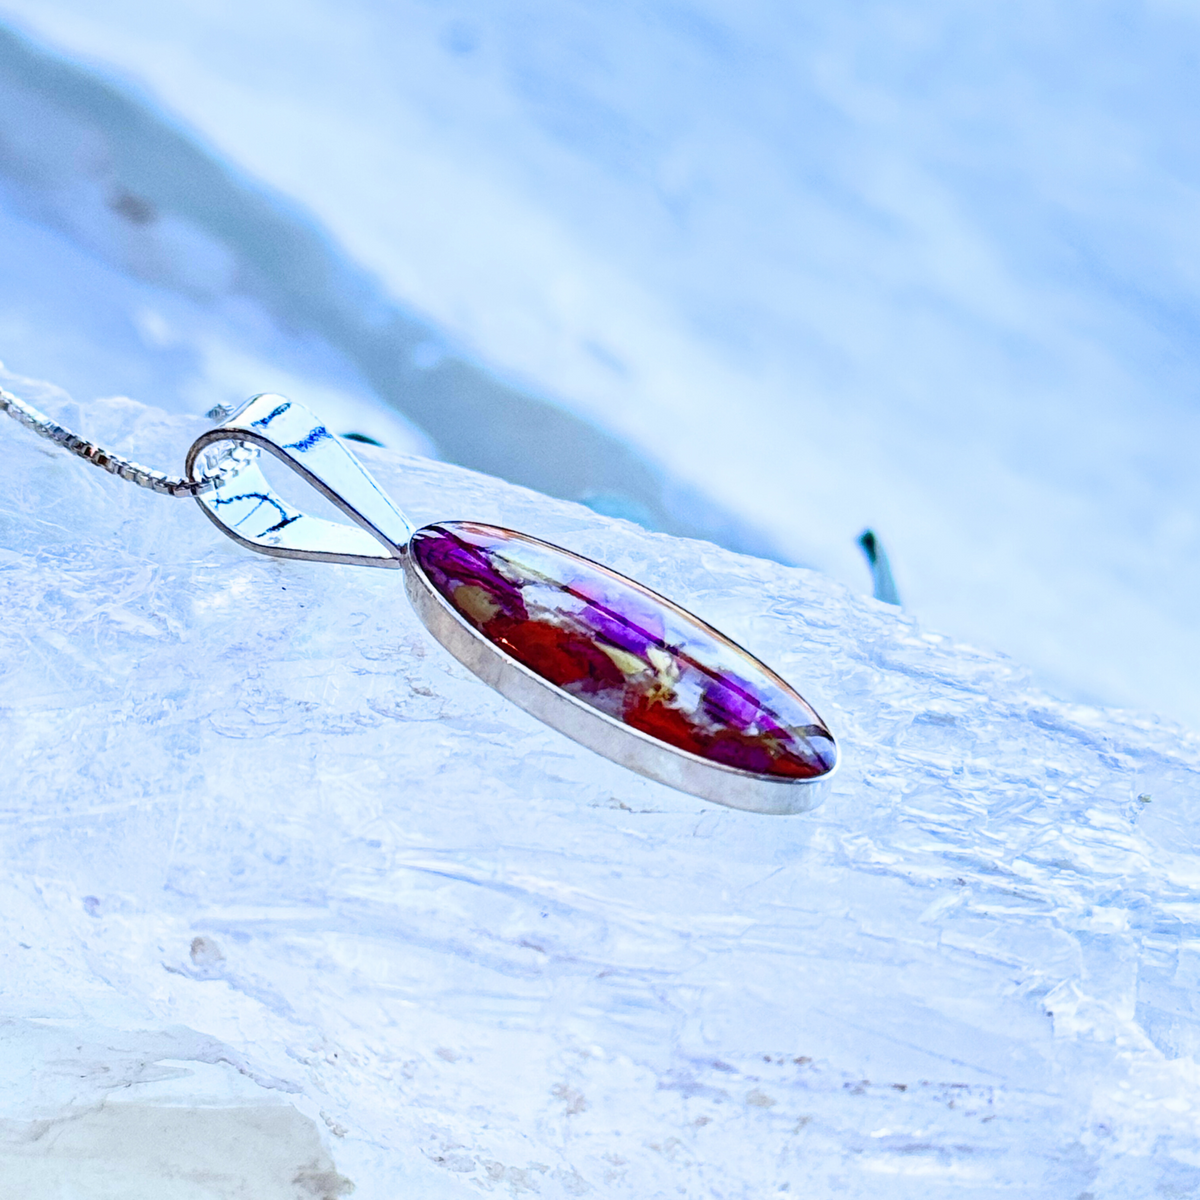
(256, 822)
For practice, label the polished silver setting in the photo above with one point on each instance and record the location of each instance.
(250, 511)
(631, 748)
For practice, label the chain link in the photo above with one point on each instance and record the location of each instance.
(218, 468)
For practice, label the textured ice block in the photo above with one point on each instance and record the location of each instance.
(252, 799)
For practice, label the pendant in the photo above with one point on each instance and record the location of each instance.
(592, 653)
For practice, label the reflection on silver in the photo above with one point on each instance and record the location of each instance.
(250, 511)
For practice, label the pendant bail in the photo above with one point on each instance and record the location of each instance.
(246, 508)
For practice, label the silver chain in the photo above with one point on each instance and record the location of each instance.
(218, 469)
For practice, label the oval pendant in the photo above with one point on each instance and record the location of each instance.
(617, 667)
(589, 651)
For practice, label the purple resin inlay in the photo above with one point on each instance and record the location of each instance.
(622, 651)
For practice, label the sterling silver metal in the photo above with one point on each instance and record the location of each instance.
(225, 477)
(252, 512)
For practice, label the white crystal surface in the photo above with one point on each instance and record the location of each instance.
(255, 822)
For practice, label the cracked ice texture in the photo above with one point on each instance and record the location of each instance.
(497, 962)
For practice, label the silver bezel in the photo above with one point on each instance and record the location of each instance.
(629, 747)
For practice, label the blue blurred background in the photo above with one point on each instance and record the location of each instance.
(765, 273)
